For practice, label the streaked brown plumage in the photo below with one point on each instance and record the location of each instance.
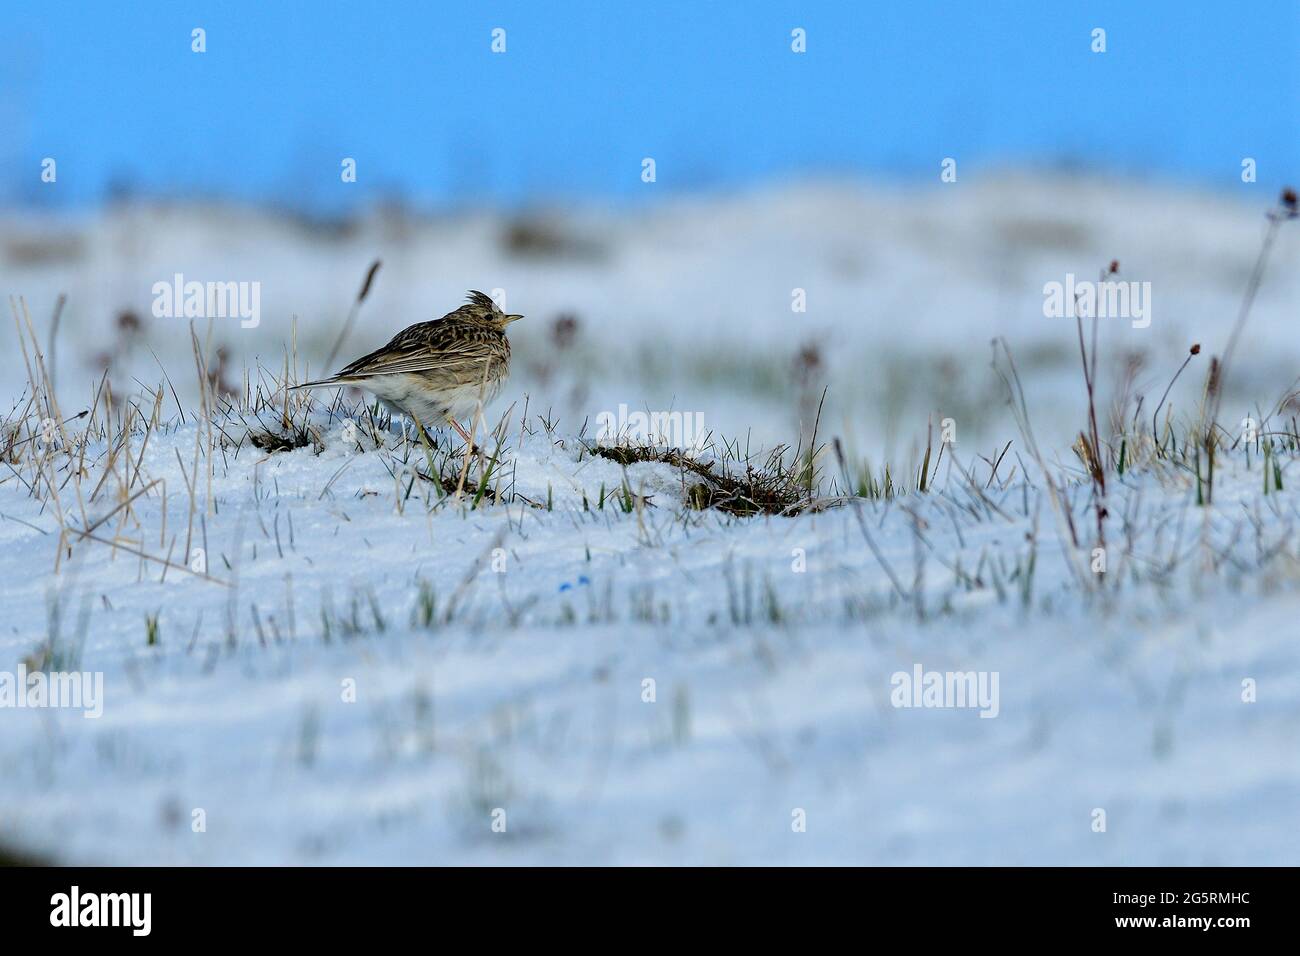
(438, 371)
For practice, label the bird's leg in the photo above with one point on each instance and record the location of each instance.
(469, 442)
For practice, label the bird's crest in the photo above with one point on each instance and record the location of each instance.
(474, 297)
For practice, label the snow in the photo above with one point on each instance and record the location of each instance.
(687, 304)
(530, 699)
(304, 704)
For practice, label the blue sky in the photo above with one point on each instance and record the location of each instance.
(585, 90)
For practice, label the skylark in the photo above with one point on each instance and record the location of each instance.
(438, 371)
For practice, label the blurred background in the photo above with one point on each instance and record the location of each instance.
(798, 153)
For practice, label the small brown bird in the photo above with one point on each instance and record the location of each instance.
(438, 371)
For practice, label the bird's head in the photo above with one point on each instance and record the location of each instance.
(481, 308)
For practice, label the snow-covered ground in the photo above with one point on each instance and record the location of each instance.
(360, 684)
(689, 304)
(366, 671)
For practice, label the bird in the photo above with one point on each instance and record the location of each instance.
(437, 371)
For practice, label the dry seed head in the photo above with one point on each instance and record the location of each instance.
(1212, 385)
(564, 330)
(128, 323)
(369, 280)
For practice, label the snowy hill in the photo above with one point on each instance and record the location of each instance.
(308, 638)
(364, 673)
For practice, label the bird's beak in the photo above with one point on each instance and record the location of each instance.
(512, 318)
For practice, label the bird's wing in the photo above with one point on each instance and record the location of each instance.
(438, 346)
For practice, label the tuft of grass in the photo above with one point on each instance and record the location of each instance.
(765, 487)
(295, 438)
(1285, 210)
(425, 615)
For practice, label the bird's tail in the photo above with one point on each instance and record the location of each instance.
(339, 380)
